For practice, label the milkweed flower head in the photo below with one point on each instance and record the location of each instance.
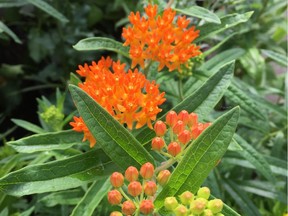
(160, 38)
(128, 96)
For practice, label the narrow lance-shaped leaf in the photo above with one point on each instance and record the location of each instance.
(8, 31)
(120, 145)
(58, 175)
(28, 126)
(47, 141)
(92, 198)
(201, 158)
(200, 12)
(101, 43)
(278, 57)
(202, 101)
(227, 22)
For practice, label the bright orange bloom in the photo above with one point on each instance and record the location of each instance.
(158, 38)
(128, 96)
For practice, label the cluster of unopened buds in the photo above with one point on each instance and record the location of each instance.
(139, 194)
(182, 129)
(192, 205)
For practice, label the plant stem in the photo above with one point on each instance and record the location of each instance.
(180, 88)
(165, 165)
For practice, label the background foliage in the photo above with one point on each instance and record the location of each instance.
(36, 39)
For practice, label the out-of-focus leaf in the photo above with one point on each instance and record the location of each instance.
(101, 43)
(12, 3)
(278, 57)
(58, 175)
(200, 158)
(48, 9)
(92, 198)
(47, 141)
(115, 140)
(28, 212)
(200, 12)
(8, 31)
(28, 126)
(227, 22)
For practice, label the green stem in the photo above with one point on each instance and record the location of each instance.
(180, 88)
(146, 69)
(165, 165)
(124, 194)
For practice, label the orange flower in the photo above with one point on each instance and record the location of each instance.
(128, 97)
(158, 38)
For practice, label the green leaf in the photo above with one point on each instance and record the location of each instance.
(47, 141)
(116, 141)
(92, 198)
(101, 43)
(278, 57)
(42, 5)
(200, 158)
(8, 31)
(11, 3)
(58, 175)
(10, 163)
(28, 126)
(201, 101)
(243, 201)
(255, 158)
(200, 12)
(227, 22)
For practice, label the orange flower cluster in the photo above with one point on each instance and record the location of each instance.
(157, 38)
(129, 97)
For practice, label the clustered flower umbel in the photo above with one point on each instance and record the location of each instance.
(128, 96)
(195, 205)
(159, 38)
(140, 195)
(183, 128)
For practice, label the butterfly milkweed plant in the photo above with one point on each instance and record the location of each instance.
(146, 136)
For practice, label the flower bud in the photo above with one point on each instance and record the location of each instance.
(197, 130)
(203, 192)
(193, 120)
(180, 210)
(215, 205)
(150, 188)
(183, 116)
(184, 137)
(128, 207)
(174, 149)
(171, 118)
(134, 188)
(114, 197)
(178, 127)
(220, 214)
(207, 212)
(157, 143)
(116, 213)
(147, 170)
(186, 197)
(131, 174)
(117, 179)
(163, 177)
(170, 203)
(197, 206)
(160, 128)
(146, 207)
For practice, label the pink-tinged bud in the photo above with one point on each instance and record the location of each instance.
(186, 197)
(207, 212)
(184, 137)
(157, 143)
(174, 148)
(147, 170)
(116, 213)
(131, 174)
(117, 179)
(171, 118)
(205, 125)
(160, 128)
(128, 208)
(180, 210)
(114, 197)
(197, 206)
(183, 116)
(163, 177)
(203, 192)
(215, 205)
(146, 207)
(193, 119)
(178, 127)
(170, 203)
(150, 188)
(134, 188)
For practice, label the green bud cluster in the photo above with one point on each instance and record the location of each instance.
(189, 204)
(53, 117)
